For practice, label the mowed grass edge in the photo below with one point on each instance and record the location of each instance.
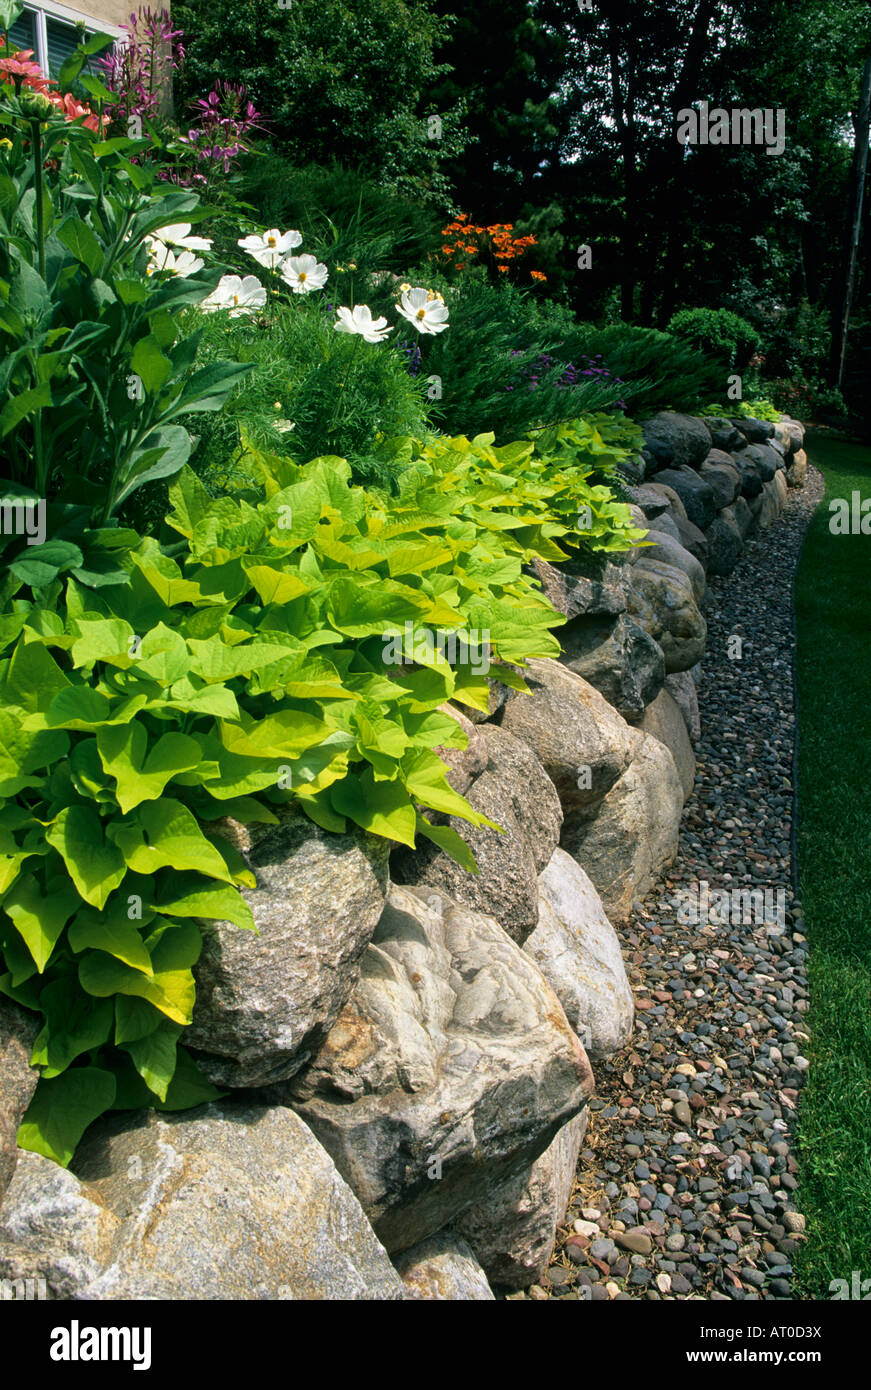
(833, 619)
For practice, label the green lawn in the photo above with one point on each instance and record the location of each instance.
(833, 598)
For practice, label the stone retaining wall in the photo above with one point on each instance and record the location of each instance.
(406, 1048)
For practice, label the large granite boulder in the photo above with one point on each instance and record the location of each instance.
(634, 832)
(516, 794)
(675, 440)
(570, 727)
(451, 1069)
(265, 1002)
(513, 1231)
(226, 1202)
(766, 460)
(722, 476)
(617, 658)
(577, 950)
(463, 764)
(693, 540)
(726, 544)
(743, 517)
(772, 503)
(18, 1032)
(671, 551)
(655, 488)
(682, 689)
(756, 431)
(664, 525)
(54, 1229)
(665, 721)
(443, 1268)
(751, 476)
(696, 494)
(662, 600)
(586, 585)
(725, 435)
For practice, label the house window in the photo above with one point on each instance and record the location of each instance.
(50, 30)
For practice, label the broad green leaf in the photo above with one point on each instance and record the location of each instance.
(95, 865)
(450, 841)
(383, 808)
(154, 1057)
(190, 897)
(114, 932)
(82, 241)
(171, 991)
(139, 777)
(61, 1110)
(150, 364)
(75, 1023)
(164, 834)
(39, 919)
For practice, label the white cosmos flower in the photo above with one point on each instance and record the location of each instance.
(240, 296)
(161, 258)
(304, 274)
(177, 234)
(428, 314)
(360, 320)
(269, 248)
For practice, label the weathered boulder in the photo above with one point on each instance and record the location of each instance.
(633, 833)
(450, 1070)
(795, 430)
(513, 1232)
(757, 431)
(725, 541)
(569, 726)
(696, 494)
(264, 1003)
(675, 440)
(743, 516)
(766, 461)
(724, 435)
(723, 478)
(661, 599)
(577, 950)
(52, 1228)
(464, 764)
(599, 590)
(668, 494)
(683, 690)
(772, 503)
(516, 794)
(18, 1032)
(229, 1201)
(751, 478)
(693, 540)
(443, 1268)
(664, 721)
(617, 658)
(652, 502)
(664, 525)
(671, 551)
(796, 474)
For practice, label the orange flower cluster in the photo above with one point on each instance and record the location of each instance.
(465, 238)
(19, 69)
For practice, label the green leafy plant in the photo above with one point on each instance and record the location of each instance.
(272, 656)
(718, 333)
(94, 375)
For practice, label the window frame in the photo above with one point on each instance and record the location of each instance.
(70, 16)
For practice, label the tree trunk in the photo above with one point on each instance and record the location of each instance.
(857, 190)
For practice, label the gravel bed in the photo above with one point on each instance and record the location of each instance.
(686, 1187)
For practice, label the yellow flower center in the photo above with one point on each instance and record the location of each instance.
(302, 275)
(271, 241)
(235, 299)
(421, 313)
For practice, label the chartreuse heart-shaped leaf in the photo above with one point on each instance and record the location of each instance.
(61, 1110)
(95, 864)
(39, 917)
(142, 776)
(163, 834)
